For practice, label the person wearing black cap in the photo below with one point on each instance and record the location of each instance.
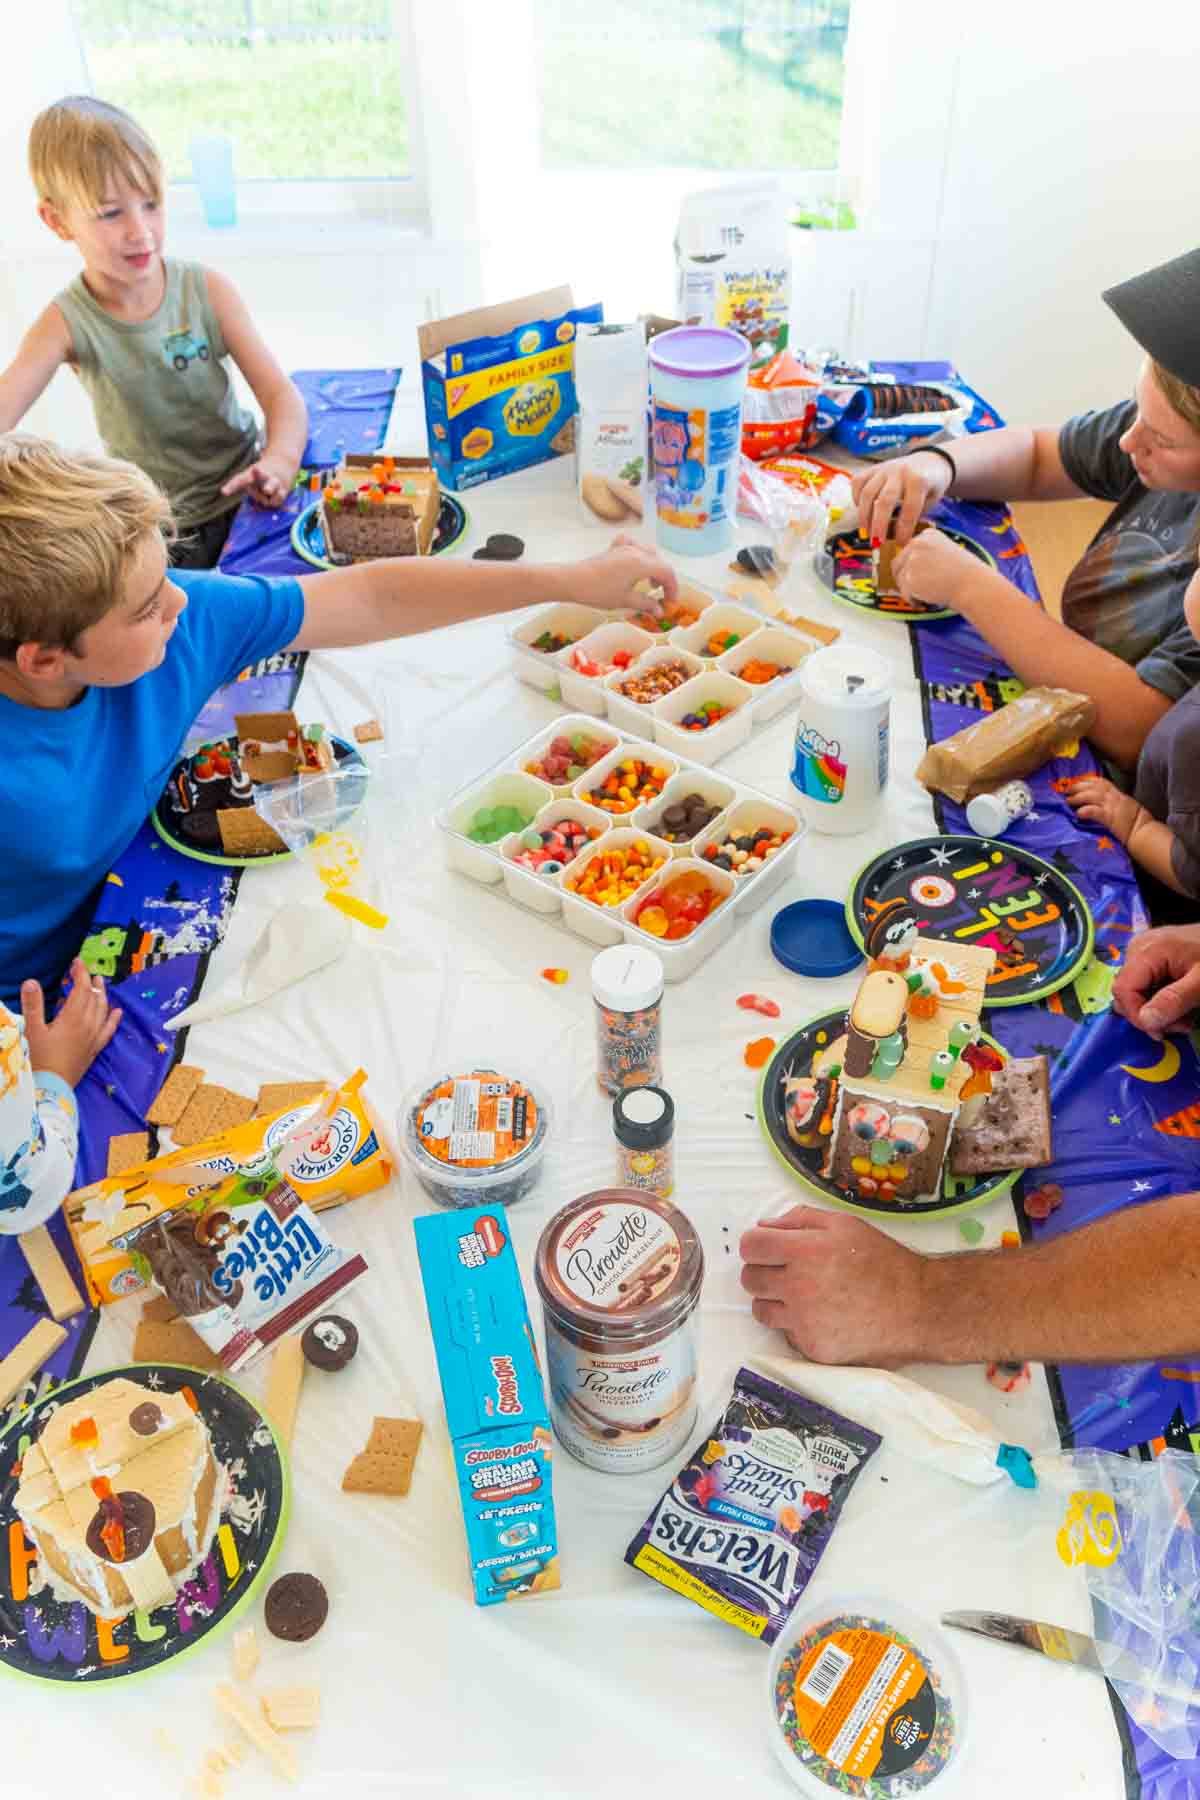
(1123, 637)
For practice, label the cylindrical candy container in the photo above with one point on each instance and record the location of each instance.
(697, 381)
(475, 1136)
(840, 762)
(627, 986)
(991, 813)
(619, 1273)
(644, 1126)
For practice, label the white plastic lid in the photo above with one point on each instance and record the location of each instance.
(627, 978)
(846, 675)
(988, 815)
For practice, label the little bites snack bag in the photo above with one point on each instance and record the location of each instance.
(500, 1437)
(499, 386)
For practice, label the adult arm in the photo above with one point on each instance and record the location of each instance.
(1159, 983)
(1126, 1289)
(1019, 462)
(400, 596)
(269, 479)
(1038, 648)
(42, 352)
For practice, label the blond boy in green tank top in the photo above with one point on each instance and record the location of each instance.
(150, 337)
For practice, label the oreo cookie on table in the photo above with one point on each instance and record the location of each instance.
(502, 546)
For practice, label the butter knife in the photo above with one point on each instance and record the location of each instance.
(1060, 1645)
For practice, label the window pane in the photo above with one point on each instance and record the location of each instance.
(309, 90)
(706, 84)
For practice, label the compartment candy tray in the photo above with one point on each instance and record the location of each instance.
(673, 805)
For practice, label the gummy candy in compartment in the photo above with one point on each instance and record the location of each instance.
(709, 745)
(543, 893)
(604, 925)
(713, 790)
(568, 725)
(725, 615)
(636, 715)
(682, 955)
(586, 693)
(506, 787)
(777, 644)
(752, 811)
(542, 668)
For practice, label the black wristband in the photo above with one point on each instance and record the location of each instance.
(934, 450)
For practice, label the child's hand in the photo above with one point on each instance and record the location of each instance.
(1100, 803)
(619, 578)
(268, 481)
(70, 1043)
(933, 568)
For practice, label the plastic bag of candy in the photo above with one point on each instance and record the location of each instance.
(322, 819)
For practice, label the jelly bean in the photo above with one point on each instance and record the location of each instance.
(758, 1052)
(760, 1004)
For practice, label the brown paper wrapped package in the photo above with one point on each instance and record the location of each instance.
(1016, 740)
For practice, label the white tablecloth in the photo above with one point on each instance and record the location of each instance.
(612, 1685)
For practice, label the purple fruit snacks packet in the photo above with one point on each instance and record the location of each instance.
(744, 1524)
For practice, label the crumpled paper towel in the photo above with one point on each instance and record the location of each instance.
(296, 942)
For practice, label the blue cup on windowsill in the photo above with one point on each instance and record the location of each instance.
(212, 170)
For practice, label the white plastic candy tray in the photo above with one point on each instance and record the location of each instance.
(743, 808)
(712, 677)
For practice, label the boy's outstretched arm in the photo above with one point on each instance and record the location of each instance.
(400, 596)
(269, 479)
(43, 350)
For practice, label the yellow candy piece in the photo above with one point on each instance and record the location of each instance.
(861, 1165)
(654, 920)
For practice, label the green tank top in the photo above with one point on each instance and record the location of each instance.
(162, 394)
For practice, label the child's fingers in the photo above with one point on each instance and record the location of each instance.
(33, 1006)
(108, 1028)
(1093, 814)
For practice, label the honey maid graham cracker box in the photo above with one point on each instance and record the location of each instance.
(500, 1436)
(499, 386)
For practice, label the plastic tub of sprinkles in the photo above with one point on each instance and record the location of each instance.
(474, 1137)
(866, 1699)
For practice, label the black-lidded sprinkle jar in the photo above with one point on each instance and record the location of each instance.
(644, 1126)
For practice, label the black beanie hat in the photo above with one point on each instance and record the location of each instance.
(1161, 309)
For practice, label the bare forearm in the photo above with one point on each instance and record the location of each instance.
(1150, 844)
(401, 596)
(1044, 651)
(286, 422)
(1018, 462)
(1124, 1290)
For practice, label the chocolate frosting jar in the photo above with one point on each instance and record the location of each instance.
(619, 1274)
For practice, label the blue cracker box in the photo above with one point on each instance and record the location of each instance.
(500, 1434)
(499, 386)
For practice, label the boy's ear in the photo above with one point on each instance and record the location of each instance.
(49, 214)
(41, 662)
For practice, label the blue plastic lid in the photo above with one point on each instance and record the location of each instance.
(811, 937)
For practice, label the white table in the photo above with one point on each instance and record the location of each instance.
(612, 1685)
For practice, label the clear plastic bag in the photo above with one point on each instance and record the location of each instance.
(322, 819)
(793, 523)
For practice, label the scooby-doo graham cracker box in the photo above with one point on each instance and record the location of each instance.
(500, 386)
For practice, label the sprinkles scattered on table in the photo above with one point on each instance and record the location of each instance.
(822, 1703)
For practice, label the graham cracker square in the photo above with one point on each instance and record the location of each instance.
(395, 1437)
(177, 1343)
(127, 1150)
(210, 1110)
(386, 1465)
(278, 1096)
(243, 833)
(369, 732)
(170, 1103)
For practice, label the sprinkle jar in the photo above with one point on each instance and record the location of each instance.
(619, 1274)
(627, 986)
(644, 1127)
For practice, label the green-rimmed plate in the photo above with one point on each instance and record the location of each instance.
(308, 539)
(975, 890)
(51, 1640)
(960, 1193)
(347, 757)
(852, 578)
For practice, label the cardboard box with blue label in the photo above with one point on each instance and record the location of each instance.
(500, 1435)
(500, 386)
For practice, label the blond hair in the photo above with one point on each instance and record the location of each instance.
(1181, 398)
(79, 145)
(69, 525)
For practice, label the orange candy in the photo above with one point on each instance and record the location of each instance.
(613, 876)
(674, 910)
(632, 783)
(757, 1052)
(758, 673)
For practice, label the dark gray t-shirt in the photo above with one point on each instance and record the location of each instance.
(1168, 785)
(1126, 591)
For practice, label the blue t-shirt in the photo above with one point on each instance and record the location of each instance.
(77, 784)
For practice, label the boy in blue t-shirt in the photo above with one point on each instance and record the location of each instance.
(106, 658)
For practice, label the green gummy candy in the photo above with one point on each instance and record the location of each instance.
(532, 840)
(579, 744)
(971, 1231)
(574, 771)
(483, 819)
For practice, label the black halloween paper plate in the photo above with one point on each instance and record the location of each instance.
(852, 577)
(51, 1640)
(975, 890)
(960, 1193)
(308, 539)
(165, 823)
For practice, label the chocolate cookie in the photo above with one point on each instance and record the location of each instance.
(134, 1517)
(296, 1608)
(502, 546)
(330, 1342)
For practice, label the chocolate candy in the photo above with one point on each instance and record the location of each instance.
(502, 546)
(297, 1607)
(683, 820)
(135, 1516)
(146, 1419)
(330, 1342)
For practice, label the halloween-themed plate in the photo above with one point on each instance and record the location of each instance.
(975, 890)
(960, 1193)
(46, 1639)
(350, 798)
(308, 539)
(852, 577)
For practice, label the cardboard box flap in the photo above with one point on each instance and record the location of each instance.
(492, 321)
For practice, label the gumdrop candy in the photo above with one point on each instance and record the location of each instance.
(654, 920)
(760, 1004)
(757, 1052)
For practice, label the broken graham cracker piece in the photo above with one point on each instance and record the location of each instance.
(127, 1150)
(171, 1101)
(243, 833)
(160, 1311)
(292, 1708)
(155, 1342)
(386, 1465)
(211, 1109)
(51, 1273)
(277, 1096)
(370, 731)
(245, 1653)
(244, 1713)
(27, 1357)
(284, 1380)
